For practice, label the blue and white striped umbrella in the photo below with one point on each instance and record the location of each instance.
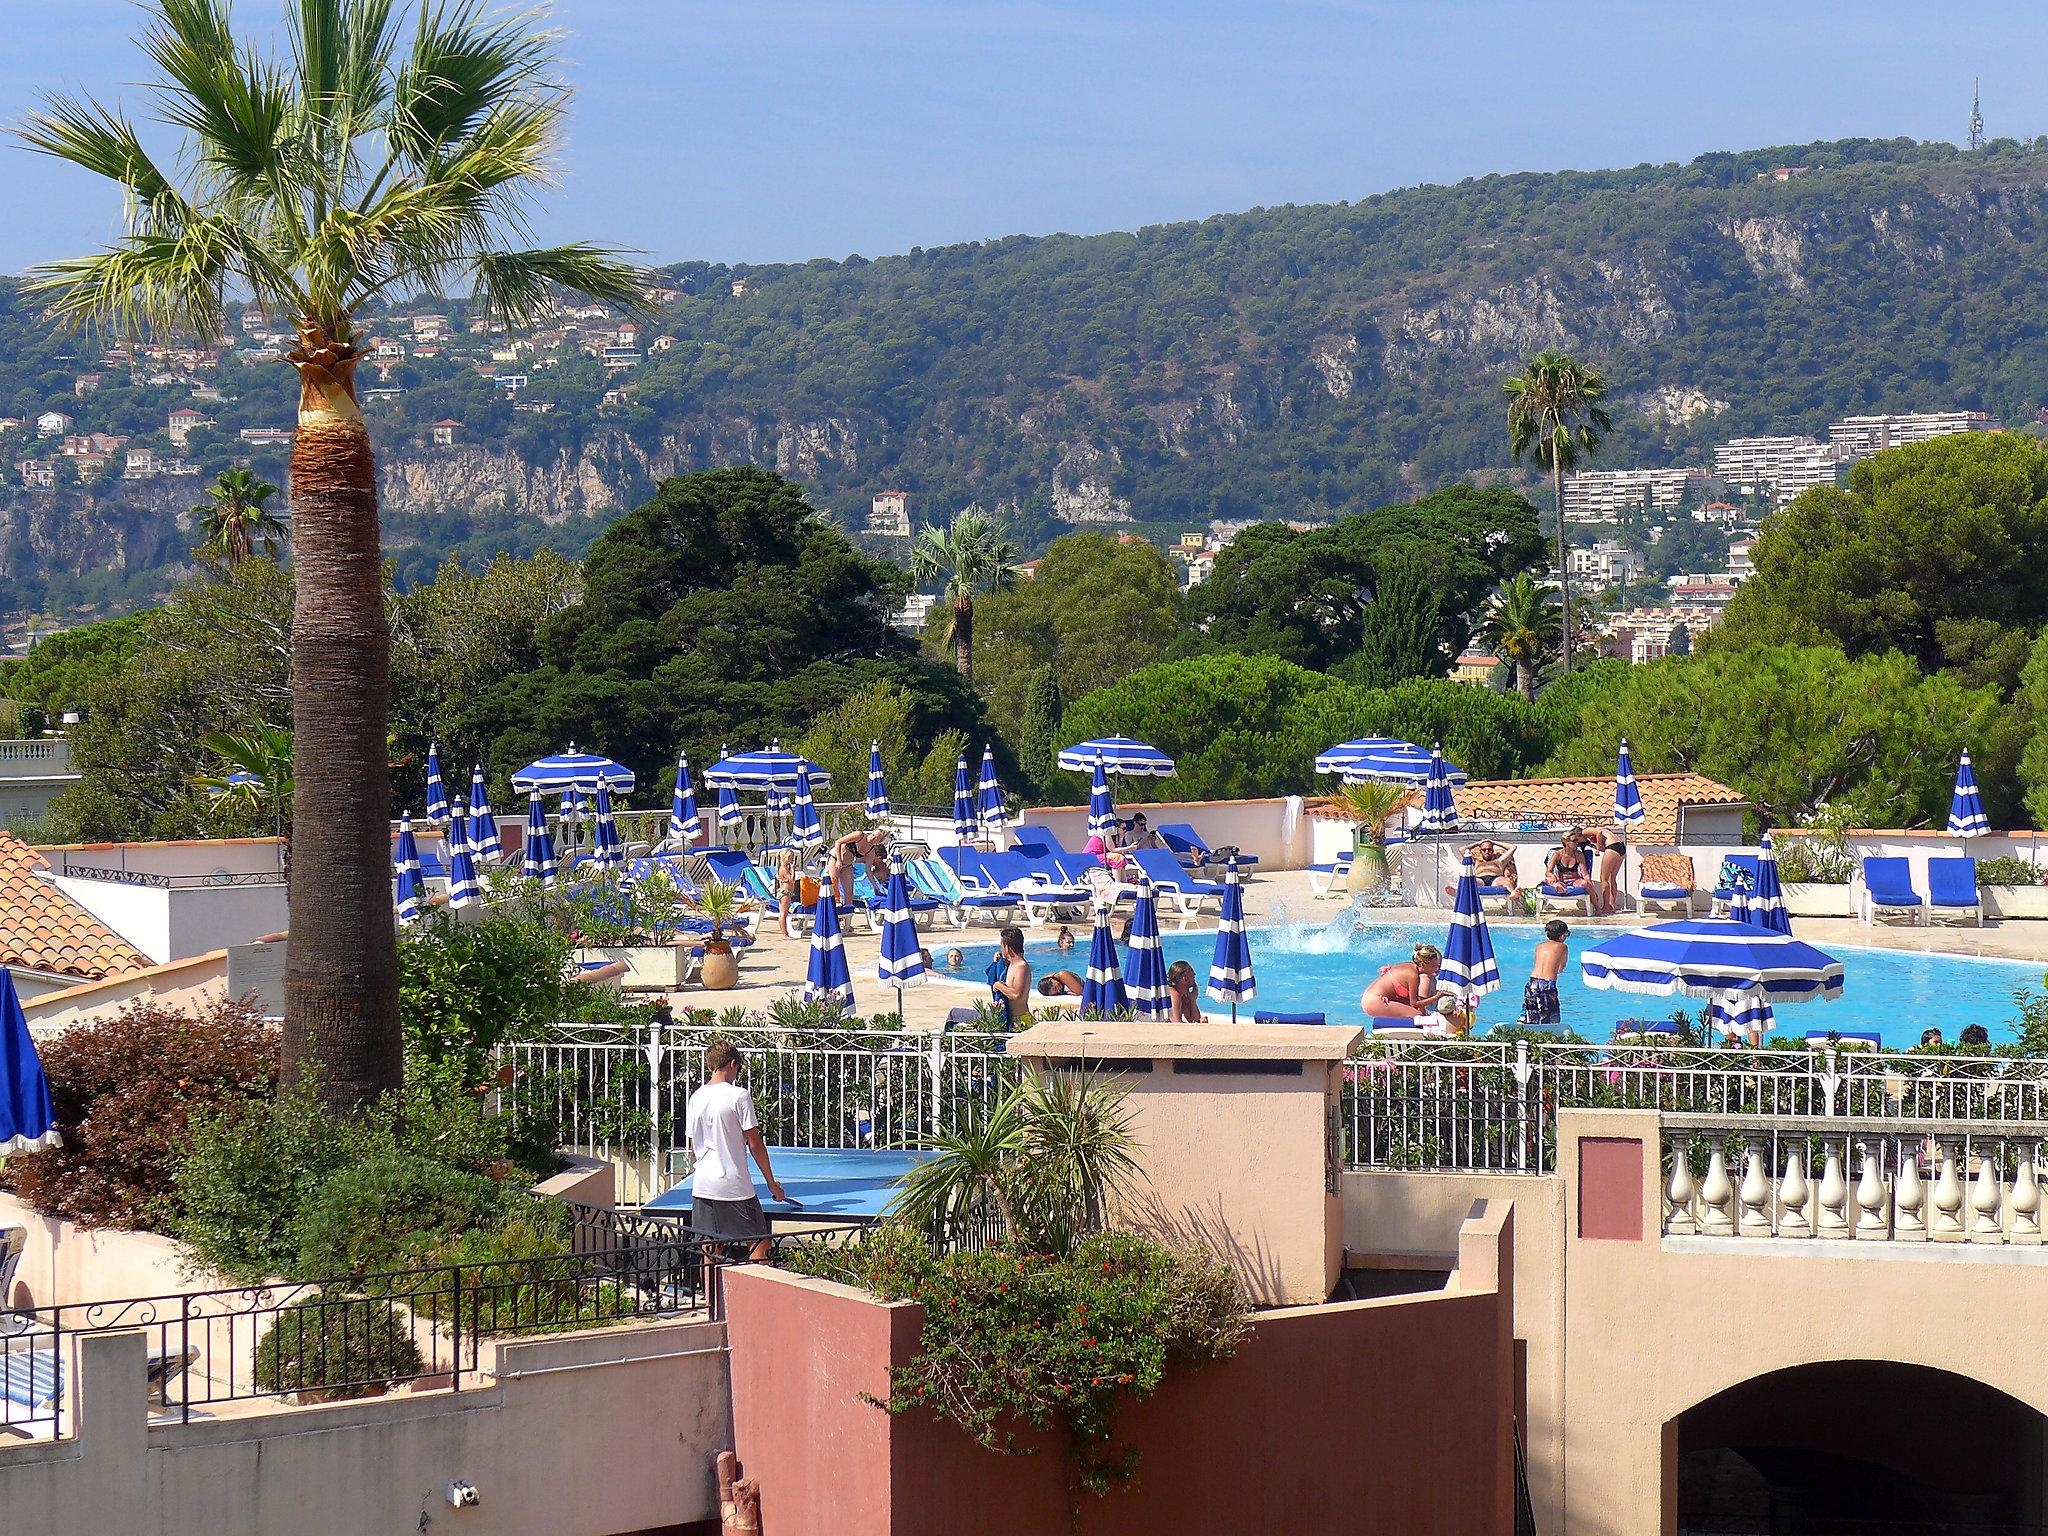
(804, 831)
(684, 824)
(827, 980)
(1382, 757)
(1101, 809)
(1230, 968)
(728, 807)
(405, 864)
(437, 792)
(1118, 754)
(1439, 806)
(1739, 1011)
(463, 885)
(963, 803)
(28, 1118)
(483, 825)
(1102, 990)
(1767, 901)
(1966, 816)
(573, 806)
(1628, 800)
(902, 961)
(1146, 979)
(539, 862)
(241, 778)
(606, 851)
(988, 800)
(1699, 957)
(1469, 968)
(1737, 906)
(572, 770)
(770, 769)
(878, 788)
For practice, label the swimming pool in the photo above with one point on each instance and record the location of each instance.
(1322, 967)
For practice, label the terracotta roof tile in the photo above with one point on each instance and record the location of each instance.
(1588, 801)
(42, 929)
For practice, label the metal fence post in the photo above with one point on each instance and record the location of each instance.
(938, 1074)
(1531, 1110)
(656, 1051)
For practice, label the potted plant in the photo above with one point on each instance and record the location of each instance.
(2011, 888)
(1370, 805)
(721, 904)
(1815, 869)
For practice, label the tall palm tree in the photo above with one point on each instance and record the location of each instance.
(1554, 416)
(235, 519)
(375, 159)
(1521, 627)
(972, 556)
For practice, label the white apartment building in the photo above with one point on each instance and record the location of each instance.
(1858, 437)
(1606, 564)
(915, 610)
(1777, 467)
(1739, 550)
(1603, 495)
(1644, 634)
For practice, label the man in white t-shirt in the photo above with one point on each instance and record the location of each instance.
(722, 1129)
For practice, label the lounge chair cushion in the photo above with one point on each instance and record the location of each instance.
(1890, 882)
(1952, 883)
(1265, 1017)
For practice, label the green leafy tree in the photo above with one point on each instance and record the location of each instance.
(2029, 720)
(882, 714)
(1399, 638)
(1555, 417)
(57, 673)
(355, 169)
(968, 557)
(234, 518)
(1522, 627)
(252, 779)
(1934, 549)
(1490, 735)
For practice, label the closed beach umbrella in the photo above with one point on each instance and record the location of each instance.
(463, 885)
(1101, 810)
(1118, 754)
(1628, 800)
(804, 831)
(902, 961)
(606, 851)
(1382, 757)
(963, 803)
(1230, 968)
(988, 799)
(28, 1120)
(405, 864)
(771, 769)
(1767, 901)
(684, 824)
(1102, 990)
(572, 769)
(1145, 977)
(1966, 816)
(1740, 1011)
(878, 788)
(1439, 806)
(827, 980)
(539, 862)
(483, 825)
(437, 792)
(728, 807)
(1700, 957)
(1469, 968)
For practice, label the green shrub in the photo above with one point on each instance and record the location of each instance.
(463, 987)
(126, 1092)
(2006, 870)
(392, 1212)
(1016, 1338)
(332, 1346)
(516, 1278)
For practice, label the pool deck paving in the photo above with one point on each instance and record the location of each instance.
(774, 968)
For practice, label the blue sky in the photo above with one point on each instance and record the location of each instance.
(784, 129)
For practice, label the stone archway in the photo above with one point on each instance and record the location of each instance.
(1857, 1448)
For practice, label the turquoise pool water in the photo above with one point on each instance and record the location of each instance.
(1322, 967)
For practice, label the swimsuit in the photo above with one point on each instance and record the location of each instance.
(1540, 1003)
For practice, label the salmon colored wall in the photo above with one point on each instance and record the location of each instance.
(1387, 1416)
(1611, 1189)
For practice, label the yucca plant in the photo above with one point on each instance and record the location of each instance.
(372, 161)
(1371, 804)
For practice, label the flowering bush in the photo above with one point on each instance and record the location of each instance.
(127, 1091)
(1014, 1338)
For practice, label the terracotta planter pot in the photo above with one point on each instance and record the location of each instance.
(1368, 869)
(720, 971)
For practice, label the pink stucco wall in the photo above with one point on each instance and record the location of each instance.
(1382, 1416)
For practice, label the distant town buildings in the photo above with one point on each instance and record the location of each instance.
(1776, 467)
(1603, 495)
(54, 424)
(1858, 437)
(1474, 667)
(1645, 634)
(889, 514)
(915, 610)
(1606, 563)
(183, 422)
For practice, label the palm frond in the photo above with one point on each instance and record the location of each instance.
(147, 282)
(236, 107)
(461, 69)
(100, 141)
(515, 285)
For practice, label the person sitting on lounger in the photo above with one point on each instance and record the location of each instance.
(1407, 989)
(1492, 864)
(1137, 836)
(1566, 866)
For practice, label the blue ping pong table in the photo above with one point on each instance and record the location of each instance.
(822, 1182)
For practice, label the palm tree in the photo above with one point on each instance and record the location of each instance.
(971, 555)
(1554, 416)
(1521, 627)
(235, 518)
(255, 779)
(373, 161)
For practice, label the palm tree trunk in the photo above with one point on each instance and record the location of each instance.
(1564, 570)
(1525, 680)
(341, 968)
(963, 636)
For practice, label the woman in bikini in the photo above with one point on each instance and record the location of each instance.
(1406, 990)
(1611, 852)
